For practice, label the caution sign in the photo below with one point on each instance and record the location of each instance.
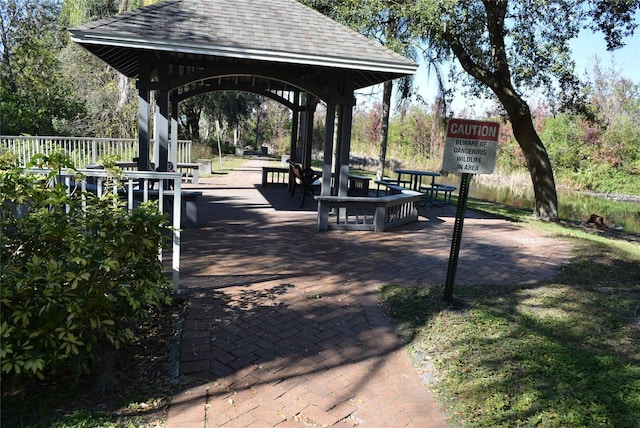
(471, 146)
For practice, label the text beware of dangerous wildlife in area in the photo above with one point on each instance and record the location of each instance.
(471, 146)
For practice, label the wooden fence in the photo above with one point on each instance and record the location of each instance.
(83, 151)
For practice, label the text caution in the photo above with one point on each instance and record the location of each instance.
(471, 146)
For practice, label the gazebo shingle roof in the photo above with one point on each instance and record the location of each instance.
(275, 31)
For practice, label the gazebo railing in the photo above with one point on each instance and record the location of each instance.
(83, 150)
(135, 187)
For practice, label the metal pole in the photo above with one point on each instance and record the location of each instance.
(457, 237)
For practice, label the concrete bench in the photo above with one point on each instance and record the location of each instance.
(188, 199)
(189, 171)
(369, 213)
(358, 185)
(431, 192)
(274, 176)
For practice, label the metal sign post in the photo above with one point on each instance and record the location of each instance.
(457, 237)
(470, 148)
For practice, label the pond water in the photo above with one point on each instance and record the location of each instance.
(571, 205)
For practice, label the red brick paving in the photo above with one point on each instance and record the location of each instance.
(283, 327)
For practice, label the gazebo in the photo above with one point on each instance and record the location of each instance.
(277, 48)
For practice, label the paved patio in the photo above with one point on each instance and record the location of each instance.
(283, 327)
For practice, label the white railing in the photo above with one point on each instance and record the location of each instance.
(83, 150)
(135, 187)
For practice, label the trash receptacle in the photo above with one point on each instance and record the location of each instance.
(265, 150)
(205, 166)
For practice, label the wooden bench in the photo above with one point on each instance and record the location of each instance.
(274, 176)
(189, 171)
(307, 178)
(431, 192)
(357, 185)
(398, 182)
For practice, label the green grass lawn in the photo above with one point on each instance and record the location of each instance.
(225, 165)
(561, 353)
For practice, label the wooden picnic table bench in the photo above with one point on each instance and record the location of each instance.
(274, 176)
(414, 180)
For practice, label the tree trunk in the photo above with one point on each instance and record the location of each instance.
(386, 108)
(497, 77)
(544, 186)
(123, 91)
(192, 115)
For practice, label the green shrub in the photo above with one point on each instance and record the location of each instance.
(75, 272)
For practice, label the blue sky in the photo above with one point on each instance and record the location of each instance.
(589, 45)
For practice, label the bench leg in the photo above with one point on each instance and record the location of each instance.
(190, 213)
(304, 191)
(428, 197)
(446, 198)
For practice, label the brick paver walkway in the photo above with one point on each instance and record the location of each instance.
(283, 327)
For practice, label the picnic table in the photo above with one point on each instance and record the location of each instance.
(431, 190)
(414, 182)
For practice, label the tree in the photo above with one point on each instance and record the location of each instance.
(190, 112)
(510, 46)
(505, 48)
(108, 96)
(36, 99)
(275, 122)
(233, 108)
(616, 104)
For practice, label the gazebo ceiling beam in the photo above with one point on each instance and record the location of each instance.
(204, 89)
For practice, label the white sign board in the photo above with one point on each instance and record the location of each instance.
(471, 146)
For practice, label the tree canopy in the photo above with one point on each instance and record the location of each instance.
(506, 48)
(34, 94)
